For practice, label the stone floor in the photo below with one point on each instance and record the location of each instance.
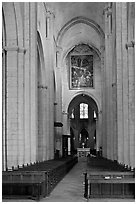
(71, 188)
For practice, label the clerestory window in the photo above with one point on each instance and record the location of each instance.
(83, 111)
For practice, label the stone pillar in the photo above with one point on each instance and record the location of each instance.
(97, 135)
(91, 128)
(33, 81)
(49, 64)
(76, 141)
(58, 108)
(44, 122)
(119, 83)
(12, 107)
(21, 136)
(20, 75)
(125, 83)
(100, 129)
(103, 133)
(27, 156)
(58, 140)
(4, 135)
(66, 124)
(108, 79)
(114, 85)
(131, 85)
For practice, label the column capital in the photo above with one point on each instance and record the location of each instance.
(49, 13)
(102, 48)
(130, 44)
(14, 48)
(58, 48)
(65, 113)
(100, 112)
(107, 10)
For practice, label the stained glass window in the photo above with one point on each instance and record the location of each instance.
(83, 111)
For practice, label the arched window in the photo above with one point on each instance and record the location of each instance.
(83, 111)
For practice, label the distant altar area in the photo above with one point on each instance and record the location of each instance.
(83, 152)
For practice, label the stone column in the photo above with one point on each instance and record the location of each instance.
(108, 79)
(114, 85)
(58, 98)
(97, 135)
(49, 63)
(4, 135)
(119, 83)
(103, 128)
(20, 73)
(100, 128)
(12, 106)
(125, 83)
(66, 124)
(27, 156)
(21, 136)
(131, 85)
(33, 80)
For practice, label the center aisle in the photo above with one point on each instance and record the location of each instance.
(70, 188)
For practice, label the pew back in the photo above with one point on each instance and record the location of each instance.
(109, 184)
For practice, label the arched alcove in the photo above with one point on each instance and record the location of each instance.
(79, 20)
(83, 138)
(84, 128)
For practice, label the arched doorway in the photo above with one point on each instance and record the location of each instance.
(83, 138)
(83, 116)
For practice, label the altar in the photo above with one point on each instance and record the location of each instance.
(82, 153)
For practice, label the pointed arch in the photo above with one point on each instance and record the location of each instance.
(77, 20)
(85, 98)
(10, 23)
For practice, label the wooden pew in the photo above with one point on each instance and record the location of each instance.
(24, 184)
(109, 184)
(37, 180)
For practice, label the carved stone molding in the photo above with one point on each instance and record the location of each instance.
(130, 44)
(82, 49)
(42, 87)
(102, 48)
(108, 10)
(15, 48)
(59, 49)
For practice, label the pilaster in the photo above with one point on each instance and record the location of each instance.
(33, 80)
(131, 85)
(12, 108)
(119, 83)
(125, 83)
(108, 81)
(26, 100)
